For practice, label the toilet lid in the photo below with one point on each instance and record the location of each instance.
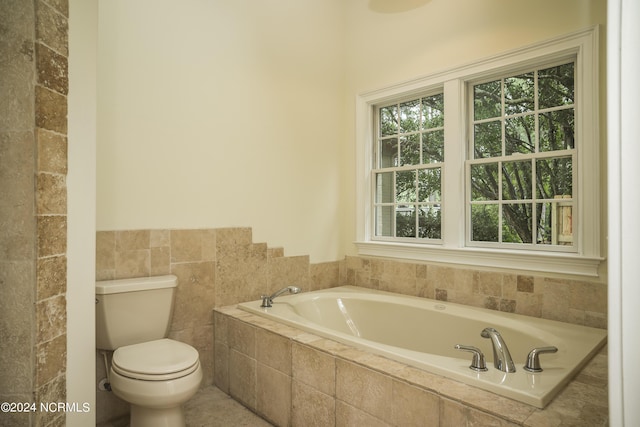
(163, 358)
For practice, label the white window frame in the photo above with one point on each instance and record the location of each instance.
(453, 248)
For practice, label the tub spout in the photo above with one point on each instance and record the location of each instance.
(501, 357)
(268, 299)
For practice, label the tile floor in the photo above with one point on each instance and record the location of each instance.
(211, 408)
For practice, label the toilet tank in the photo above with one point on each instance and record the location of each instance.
(131, 311)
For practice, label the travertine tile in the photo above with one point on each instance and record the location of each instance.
(221, 366)
(489, 283)
(242, 378)
(51, 359)
(53, 391)
(555, 300)
(51, 318)
(324, 275)
(132, 263)
(159, 238)
(186, 246)
(52, 235)
(288, 271)
(52, 151)
(364, 388)
(195, 294)
(414, 407)
(105, 250)
(314, 368)
(349, 416)
(274, 351)
(310, 407)
(211, 407)
(52, 69)
(51, 194)
(51, 276)
(51, 110)
(16, 306)
(132, 240)
(242, 337)
(454, 414)
(273, 395)
(52, 27)
(159, 262)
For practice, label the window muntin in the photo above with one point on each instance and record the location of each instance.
(407, 176)
(520, 172)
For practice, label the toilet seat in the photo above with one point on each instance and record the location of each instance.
(158, 360)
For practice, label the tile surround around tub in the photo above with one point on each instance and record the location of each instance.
(221, 267)
(320, 382)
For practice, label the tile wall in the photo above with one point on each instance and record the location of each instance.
(215, 267)
(578, 301)
(221, 267)
(33, 207)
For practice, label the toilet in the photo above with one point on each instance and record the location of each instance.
(156, 375)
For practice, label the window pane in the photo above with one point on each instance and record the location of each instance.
(487, 100)
(557, 130)
(384, 221)
(484, 223)
(405, 186)
(520, 135)
(554, 177)
(389, 120)
(519, 94)
(516, 180)
(487, 140)
(388, 152)
(555, 223)
(410, 150)
(556, 86)
(433, 146)
(516, 222)
(430, 224)
(429, 185)
(384, 187)
(433, 111)
(406, 221)
(410, 116)
(484, 182)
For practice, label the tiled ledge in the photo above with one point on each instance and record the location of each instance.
(291, 377)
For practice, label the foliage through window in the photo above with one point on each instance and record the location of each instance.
(468, 164)
(408, 172)
(521, 159)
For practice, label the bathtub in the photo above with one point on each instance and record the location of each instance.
(422, 333)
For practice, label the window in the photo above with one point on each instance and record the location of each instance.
(409, 156)
(521, 157)
(493, 164)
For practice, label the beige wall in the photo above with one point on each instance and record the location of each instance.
(241, 113)
(218, 114)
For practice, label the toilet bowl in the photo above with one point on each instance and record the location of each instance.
(156, 378)
(156, 375)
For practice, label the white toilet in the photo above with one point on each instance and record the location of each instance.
(154, 374)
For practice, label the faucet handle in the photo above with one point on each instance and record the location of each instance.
(266, 301)
(477, 362)
(533, 359)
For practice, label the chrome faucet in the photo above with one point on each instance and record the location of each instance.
(501, 357)
(268, 299)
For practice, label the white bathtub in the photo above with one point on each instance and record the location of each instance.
(423, 332)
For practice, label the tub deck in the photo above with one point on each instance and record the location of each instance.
(287, 375)
(422, 333)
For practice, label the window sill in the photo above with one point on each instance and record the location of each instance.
(561, 263)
